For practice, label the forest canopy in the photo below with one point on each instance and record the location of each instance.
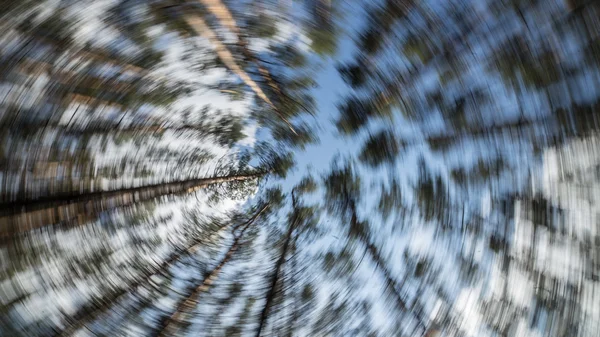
(299, 168)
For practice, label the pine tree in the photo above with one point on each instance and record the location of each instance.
(166, 328)
(24, 215)
(342, 196)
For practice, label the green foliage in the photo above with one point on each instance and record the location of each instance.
(57, 29)
(323, 41)
(133, 28)
(148, 58)
(342, 189)
(496, 243)
(482, 172)
(416, 46)
(306, 218)
(282, 164)
(468, 269)
(340, 265)
(390, 200)
(10, 5)
(328, 261)
(379, 25)
(136, 94)
(321, 28)
(228, 130)
(514, 60)
(275, 160)
(261, 25)
(421, 268)
(289, 55)
(371, 41)
(308, 293)
(295, 104)
(235, 289)
(163, 13)
(304, 135)
(300, 83)
(354, 114)
(430, 193)
(274, 197)
(341, 182)
(456, 112)
(234, 190)
(354, 74)
(380, 148)
(306, 185)
(329, 320)
(379, 92)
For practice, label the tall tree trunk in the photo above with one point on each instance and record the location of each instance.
(73, 208)
(275, 277)
(220, 10)
(166, 326)
(200, 26)
(295, 310)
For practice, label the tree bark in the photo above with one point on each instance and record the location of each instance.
(220, 10)
(273, 284)
(295, 311)
(24, 215)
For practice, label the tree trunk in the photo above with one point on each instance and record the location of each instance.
(273, 284)
(166, 326)
(220, 10)
(295, 311)
(73, 208)
(200, 26)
